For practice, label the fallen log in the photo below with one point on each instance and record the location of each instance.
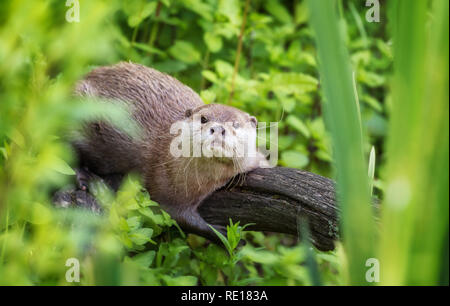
(272, 199)
(276, 200)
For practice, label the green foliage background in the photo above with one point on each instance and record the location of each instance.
(277, 79)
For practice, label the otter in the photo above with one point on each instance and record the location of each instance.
(155, 102)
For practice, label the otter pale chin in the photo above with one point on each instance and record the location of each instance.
(156, 102)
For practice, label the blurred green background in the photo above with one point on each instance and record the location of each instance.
(351, 97)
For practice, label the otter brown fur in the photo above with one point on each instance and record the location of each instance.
(156, 101)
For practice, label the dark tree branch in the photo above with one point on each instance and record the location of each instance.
(276, 199)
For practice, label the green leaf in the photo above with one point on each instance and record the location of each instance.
(294, 159)
(208, 96)
(301, 13)
(224, 69)
(372, 102)
(144, 259)
(4, 152)
(148, 49)
(233, 234)
(260, 256)
(141, 236)
(134, 222)
(61, 166)
(285, 141)
(213, 42)
(371, 79)
(199, 7)
(210, 76)
(278, 11)
(223, 239)
(185, 52)
(231, 9)
(139, 12)
(180, 280)
(297, 124)
(294, 82)
(40, 214)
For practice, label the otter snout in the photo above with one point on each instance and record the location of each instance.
(218, 130)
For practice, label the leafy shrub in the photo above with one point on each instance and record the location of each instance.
(276, 79)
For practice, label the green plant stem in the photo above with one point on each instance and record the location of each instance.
(238, 51)
(155, 28)
(205, 67)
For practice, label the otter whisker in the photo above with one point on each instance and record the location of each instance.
(230, 183)
(165, 163)
(242, 174)
(237, 169)
(196, 175)
(185, 175)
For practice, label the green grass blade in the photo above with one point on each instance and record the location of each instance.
(415, 212)
(372, 158)
(223, 239)
(342, 119)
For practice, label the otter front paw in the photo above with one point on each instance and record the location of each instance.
(84, 178)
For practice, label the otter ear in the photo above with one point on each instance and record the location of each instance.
(253, 121)
(188, 113)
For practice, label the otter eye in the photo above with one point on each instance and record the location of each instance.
(236, 125)
(203, 119)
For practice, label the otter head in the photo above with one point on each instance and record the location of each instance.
(224, 134)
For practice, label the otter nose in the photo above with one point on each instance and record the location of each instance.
(217, 129)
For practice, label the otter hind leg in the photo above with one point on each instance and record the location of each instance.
(85, 177)
(191, 221)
